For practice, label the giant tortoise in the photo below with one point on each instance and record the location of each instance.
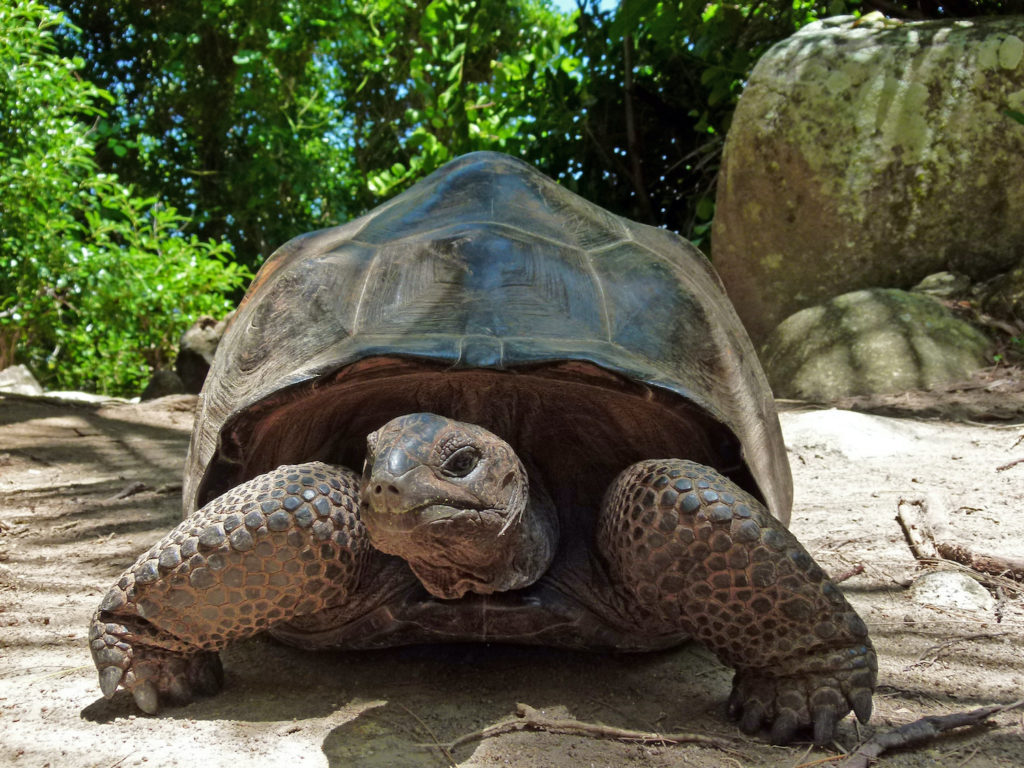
(565, 438)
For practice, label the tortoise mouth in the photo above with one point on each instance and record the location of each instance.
(432, 515)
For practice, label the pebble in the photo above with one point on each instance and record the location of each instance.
(951, 589)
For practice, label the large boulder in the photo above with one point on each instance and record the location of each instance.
(872, 154)
(871, 342)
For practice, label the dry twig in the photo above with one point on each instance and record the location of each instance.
(444, 749)
(855, 571)
(129, 490)
(919, 731)
(528, 718)
(933, 538)
(933, 654)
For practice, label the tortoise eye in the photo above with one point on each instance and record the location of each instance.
(462, 462)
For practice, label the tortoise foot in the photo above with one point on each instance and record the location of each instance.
(285, 544)
(154, 675)
(704, 556)
(789, 700)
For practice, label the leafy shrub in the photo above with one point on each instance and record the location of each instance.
(96, 284)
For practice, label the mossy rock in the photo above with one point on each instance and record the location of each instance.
(866, 154)
(875, 341)
(1003, 296)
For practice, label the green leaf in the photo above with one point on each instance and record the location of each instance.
(1014, 115)
(705, 208)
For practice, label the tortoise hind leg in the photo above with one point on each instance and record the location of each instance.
(285, 544)
(706, 557)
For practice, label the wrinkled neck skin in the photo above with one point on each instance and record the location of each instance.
(455, 502)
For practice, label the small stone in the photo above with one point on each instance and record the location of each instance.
(951, 589)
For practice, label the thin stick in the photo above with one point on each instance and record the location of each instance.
(820, 761)
(910, 532)
(1007, 465)
(445, 750)
(919, 731)
(935, 535)
(855, 571)
(528, 718)
(933, 654)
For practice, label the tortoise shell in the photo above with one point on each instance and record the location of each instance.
(490, 294)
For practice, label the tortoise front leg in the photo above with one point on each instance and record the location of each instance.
(285, 544)
(706, 557)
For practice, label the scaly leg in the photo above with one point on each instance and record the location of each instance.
(284, 544)
(706, 557)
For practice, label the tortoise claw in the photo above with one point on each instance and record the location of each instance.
(146, 697)
(206, 674)
(810, 692)
(861, 701)
(110, 678)
(753, 716)
(784, 727)
(824, 724)
(133, 655)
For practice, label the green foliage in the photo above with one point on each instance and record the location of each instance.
(639, 126)
(465, 85)
(96, 284)
(130, 291)
(219, 110)
(262, 119)
(268, 118)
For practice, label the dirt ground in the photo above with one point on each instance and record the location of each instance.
(69, 523)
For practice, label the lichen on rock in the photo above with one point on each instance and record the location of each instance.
(874, 341)
(854, 143)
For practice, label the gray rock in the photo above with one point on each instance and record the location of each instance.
(872, 155)
(944, 285)
(868, 342)
(196, 350)
(1003, 295)
(161, 384)
(18, 380)
(951, 589)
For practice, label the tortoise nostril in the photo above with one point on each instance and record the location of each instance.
(378, 489)
(393, 490)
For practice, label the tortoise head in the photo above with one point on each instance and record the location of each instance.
(453, 500)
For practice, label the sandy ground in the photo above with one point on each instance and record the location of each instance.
(65, 536)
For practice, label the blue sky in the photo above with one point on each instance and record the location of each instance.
(570, 5)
